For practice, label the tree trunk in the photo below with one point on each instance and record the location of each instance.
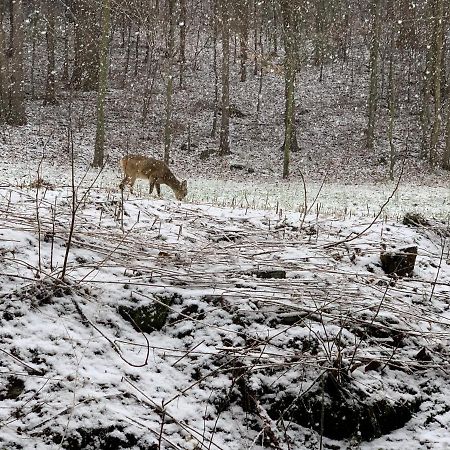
(183, 29)
(319, 51)
(50, 87)
(99, 151)
(446, 156)
(260, 88)
(152, 71)
(243, 40)
(391, 103)
(34, 18)
(16, 110)
(437, 80)
(65, 67)
(127, 56)
(289, 133)
(373, 68)
(169, 85)
(275, 28)
(225, 122)
(425, 108)
(3, 75)
(216, 73)
(86, 64)
(290, 70)
(255, 35)
(136, 50)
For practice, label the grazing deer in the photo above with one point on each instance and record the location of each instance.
(157, 172)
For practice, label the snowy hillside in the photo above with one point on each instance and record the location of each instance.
(192, 326)
(297, 298)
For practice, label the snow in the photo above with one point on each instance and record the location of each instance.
(90, 376)
(86, 368)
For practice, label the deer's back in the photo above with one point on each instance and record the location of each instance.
(143, 166)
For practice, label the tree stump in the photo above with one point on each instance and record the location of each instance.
(399, 262)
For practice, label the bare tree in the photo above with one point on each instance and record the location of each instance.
(3, 72)
(183, 29)
(225, 121)
(102, 86)
(66, 30)
(50, 87)
(438, 51)
(169, 81)
(215, 69)
(85, 70)
(392, 109)
(127, 46)
(319, 49)
(243, 15)
(14, 93)
(446, 155)
(290, 18)
(373, 69)
(34, 20)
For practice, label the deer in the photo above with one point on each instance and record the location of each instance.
(155, 171)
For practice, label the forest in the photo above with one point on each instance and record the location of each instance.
(224, 225)
(388, 64)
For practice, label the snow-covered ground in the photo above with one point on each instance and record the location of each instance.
(324, 198)
(230, 320)
(261, 328)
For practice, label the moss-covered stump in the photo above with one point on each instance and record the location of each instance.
(149, 316)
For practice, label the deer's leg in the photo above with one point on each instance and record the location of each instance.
(151, 185)
(124, 182)
(131, 182)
